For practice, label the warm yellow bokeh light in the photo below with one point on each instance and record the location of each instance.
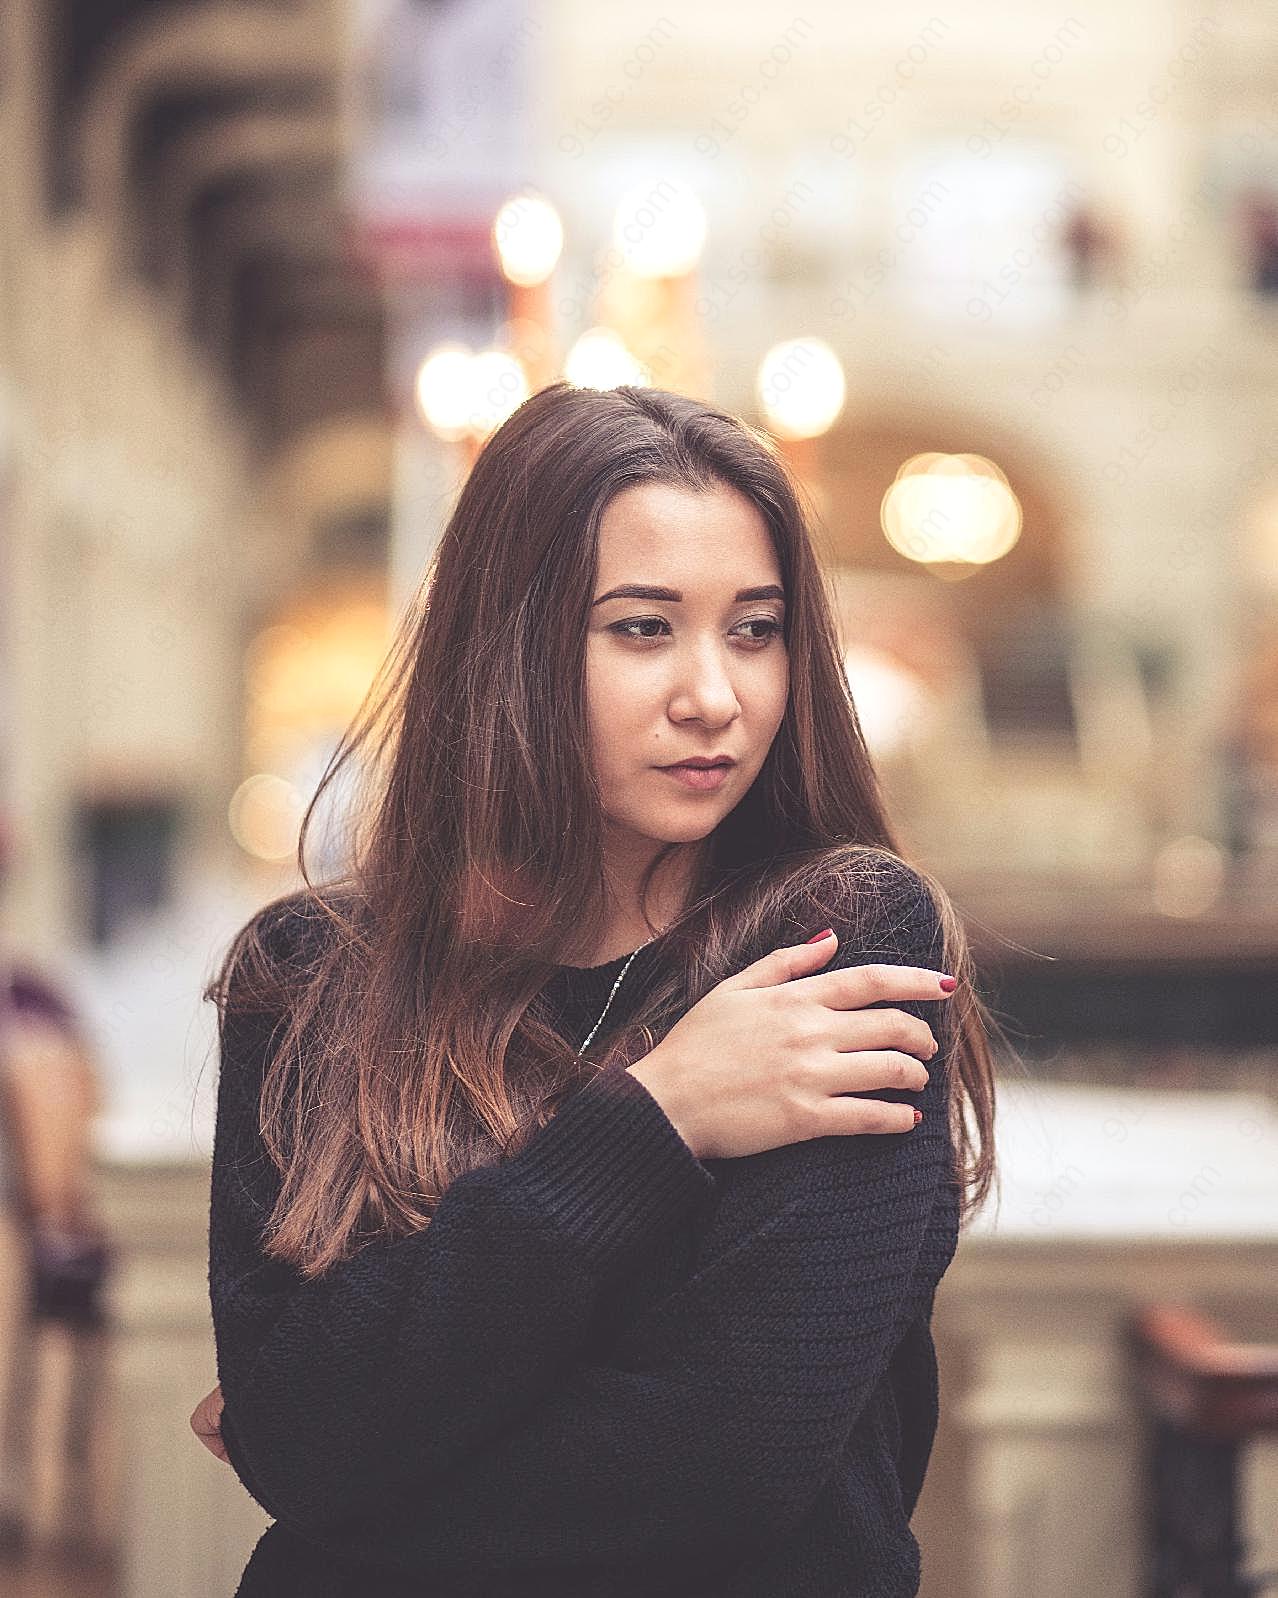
(498, 385)
(311, 677)
(528, 236)
(265, 815)
(660, 228)
(892, 704)
(600, 359)
(443, 390)
(801, 388)
(461, 394)
(1260, 548)
(307, 675)
(951, 508)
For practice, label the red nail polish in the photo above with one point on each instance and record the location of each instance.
(918, 1116)
(828, 933)
(948, 984)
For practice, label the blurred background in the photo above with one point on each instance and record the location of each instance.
(1003, 284)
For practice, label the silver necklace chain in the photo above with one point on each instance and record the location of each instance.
(585, 1043)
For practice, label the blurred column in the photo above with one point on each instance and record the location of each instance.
(649, 301)
(439, 105)
(34, 775)
(528, 238)
(186, 1526)
(801, 391)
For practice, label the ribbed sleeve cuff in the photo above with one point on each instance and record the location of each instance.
(610, 1170)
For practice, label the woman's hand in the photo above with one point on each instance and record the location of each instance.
(761, 1060)
(206, 1423)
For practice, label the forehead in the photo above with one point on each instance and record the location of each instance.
(657, 531)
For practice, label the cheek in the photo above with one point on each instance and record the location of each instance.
(614, 702)
(774, 694)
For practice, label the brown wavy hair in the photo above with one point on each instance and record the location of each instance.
(408, 1043)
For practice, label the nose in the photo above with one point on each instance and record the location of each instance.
(704, 691)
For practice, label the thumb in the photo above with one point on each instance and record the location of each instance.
(794, 960)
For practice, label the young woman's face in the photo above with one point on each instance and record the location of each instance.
(696, 671)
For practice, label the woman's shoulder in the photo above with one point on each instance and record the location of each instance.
(268, 967)
(281, 942)
(301, 921)
(866, 892)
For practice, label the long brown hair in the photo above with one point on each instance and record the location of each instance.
(411, 1045)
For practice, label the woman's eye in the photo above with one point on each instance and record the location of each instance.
(771, 626)
(623, 627)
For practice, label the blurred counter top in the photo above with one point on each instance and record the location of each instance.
(1106, 1164)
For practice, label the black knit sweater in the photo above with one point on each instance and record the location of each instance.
(606, 1367)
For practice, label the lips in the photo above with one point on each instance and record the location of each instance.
(699, 764)
(700, 779)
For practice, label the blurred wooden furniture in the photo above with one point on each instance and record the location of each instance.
(1204, 1399)
(1109, 1198)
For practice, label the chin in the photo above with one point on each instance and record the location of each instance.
(665, 829)
(684, 829)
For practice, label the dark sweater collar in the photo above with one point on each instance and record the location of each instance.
(580, 992)
(585, 979)
(606, 966)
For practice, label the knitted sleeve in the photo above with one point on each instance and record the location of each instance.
(410, 1358)
(723, 1409)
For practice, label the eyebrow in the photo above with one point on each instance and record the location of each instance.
(648, 591)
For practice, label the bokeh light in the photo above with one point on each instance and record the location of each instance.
(529, 238)
(801, 388)
(951, 508)
(660, 228)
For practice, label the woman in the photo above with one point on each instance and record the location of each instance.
(493, 1317)
(54, 1249)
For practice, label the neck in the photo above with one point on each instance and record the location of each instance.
(613, 948)
(622, 927)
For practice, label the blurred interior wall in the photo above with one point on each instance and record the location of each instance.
(131, 523)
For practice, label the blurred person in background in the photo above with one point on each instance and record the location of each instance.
(50, 1091)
